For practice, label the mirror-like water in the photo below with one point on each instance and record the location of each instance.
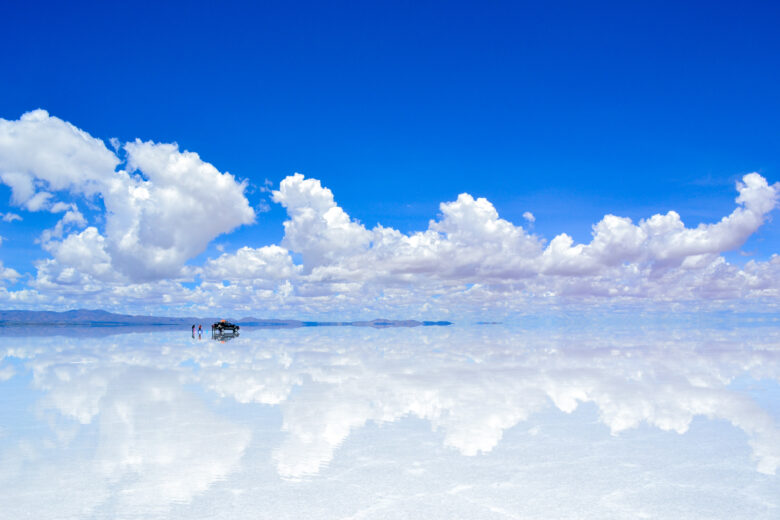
(456, 422)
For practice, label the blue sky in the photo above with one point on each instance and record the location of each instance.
(570, 111)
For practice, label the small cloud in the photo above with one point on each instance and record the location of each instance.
(710, 181)
(10, 217)
(529, 216)
(39, 201)
(263, 207)
(6, 273)
(6, 373)
(115, 144)
(60, 207)
(266, 187)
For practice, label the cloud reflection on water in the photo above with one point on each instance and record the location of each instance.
(473, 388)
(141, 415)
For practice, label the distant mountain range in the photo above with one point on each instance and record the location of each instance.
(98, 318)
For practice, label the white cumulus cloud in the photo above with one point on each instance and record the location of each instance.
(155, 224)
(162, 207)
(318, 228)
(10, 217)
(265, 263)
(162, 210)
(41, 150)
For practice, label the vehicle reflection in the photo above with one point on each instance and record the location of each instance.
(224, 337)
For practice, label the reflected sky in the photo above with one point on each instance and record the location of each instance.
(458, 422)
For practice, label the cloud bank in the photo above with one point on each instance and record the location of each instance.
(155, 208)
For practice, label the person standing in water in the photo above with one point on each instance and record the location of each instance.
(193, 331)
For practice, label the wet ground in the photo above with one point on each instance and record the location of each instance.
(479, 421)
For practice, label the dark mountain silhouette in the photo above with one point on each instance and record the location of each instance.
(100, 318)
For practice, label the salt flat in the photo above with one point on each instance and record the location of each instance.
(468, 421)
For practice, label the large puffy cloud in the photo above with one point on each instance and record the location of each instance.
(470, 243)
(318, 229)
(663, 240)
(164, 206)
(469, 259)
(153, 226)
(470, 253)
(265, 263)
(161, 211)
(40, 153)
(84, 252)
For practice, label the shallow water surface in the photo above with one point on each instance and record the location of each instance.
(457, 422)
